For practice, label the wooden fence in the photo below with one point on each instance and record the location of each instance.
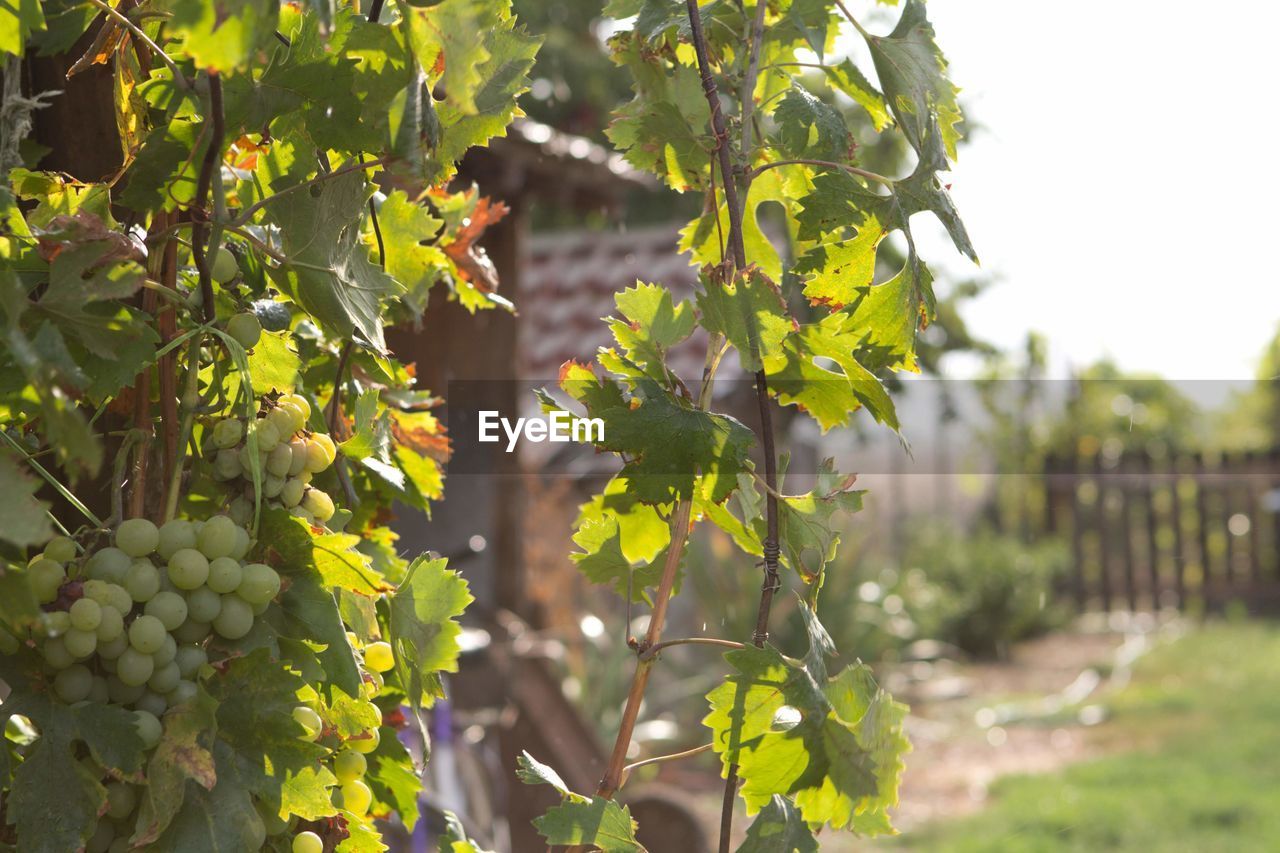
(1177, 531)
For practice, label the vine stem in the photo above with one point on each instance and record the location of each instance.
(653, 650)
(212, 161)
(828, 164)
(660, 759)
(653, 636)
(770, 583)
(190, 402)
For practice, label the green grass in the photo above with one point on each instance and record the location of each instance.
(1196, 767)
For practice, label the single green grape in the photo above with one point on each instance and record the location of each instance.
(226, 465)
(235, 619)
(292, 491)
(184, 692)
(245, 328)
(46, 578)
(133, 667)
(60, 549)
(86, 614)
(147, 634)
(149, 728)
(268, 435)
(285, 420)
(122, 799)
(223, 266)
(319, 504)
(280, 459)
(259, 585)
(203, 604)
(243, 542)
(174, 536)
(109, 565)
(165, 678)
(379, 657)
(56, 623)
(110, 625)
(189, 569)
(349, 766)
(190, 659)
(97, 590)
(271, 486)
(119, 598)
(307, 842)
(167, 651)
(217, 538)
(73, 684)
(169, 607)
(137, 537)
(320, 453)
(298, 456)
(367, 743)
(227, 432)
(224, 575)
(309, 720)
(142, 581)
(357, 797)
(152, 703)
(300, 403)
(55, 653)
(81, 644)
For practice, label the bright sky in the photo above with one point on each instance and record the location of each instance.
(1124, 190)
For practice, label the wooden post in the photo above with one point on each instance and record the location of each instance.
(1128, 529)
(1104, 538)
(1201, 472)
(1150, 483)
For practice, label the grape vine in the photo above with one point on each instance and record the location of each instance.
(723, 107)
(207, 633)
(209, 640)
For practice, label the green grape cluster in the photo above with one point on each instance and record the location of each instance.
(130, 625)
(288, 456)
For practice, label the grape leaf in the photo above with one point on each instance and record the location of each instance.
(828, 395)
(643, 532)
(406, 228)
(601, 822)
(423, 631)
(651, 324)
(184, 754)
(328, 272)
(807, 127)
(847, 78)
(291, 546)
(531, 771)
(18, 20)
(807, 535)
(667, 442)
(663, 130)
(394, 780)
(53, 799)
(220, 820)
(834, 745)
(779, 828)
(309, 611)
(913, 72)
(748, 311)
(602, 561)
(24, 520)
(223, 36)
